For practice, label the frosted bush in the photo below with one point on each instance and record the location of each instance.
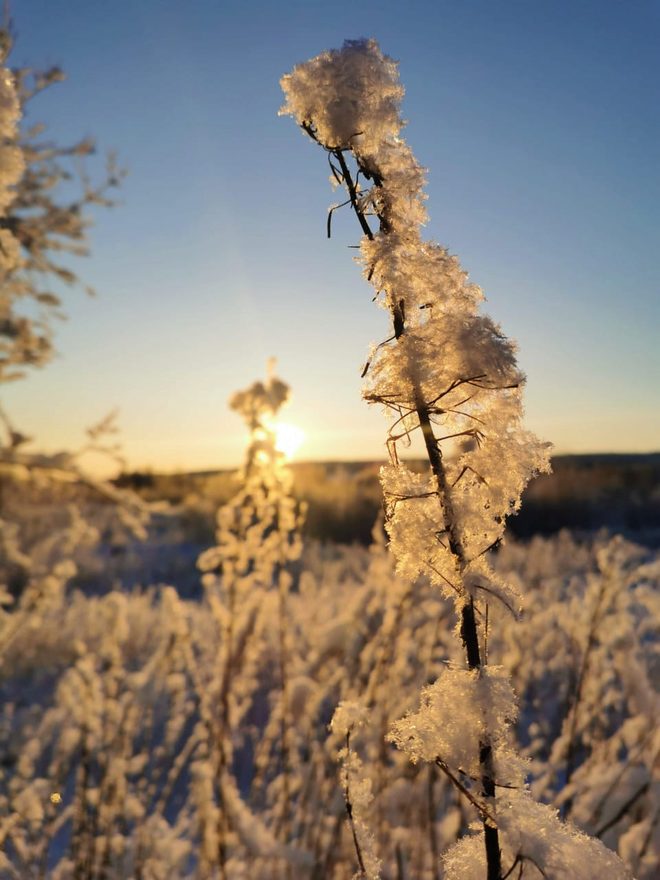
(585, 662)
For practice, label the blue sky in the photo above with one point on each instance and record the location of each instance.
(539, 123)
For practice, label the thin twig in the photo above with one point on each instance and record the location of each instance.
(483, 812)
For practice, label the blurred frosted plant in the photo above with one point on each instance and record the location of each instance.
(11, 166)
(257, 532)
(53, 511)
(36, 226)
(95, 756)
(41, 218)
(348, 718)
(448, 374)
(247, 578)
(585, 662)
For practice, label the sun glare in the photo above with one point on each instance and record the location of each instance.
(288, 438)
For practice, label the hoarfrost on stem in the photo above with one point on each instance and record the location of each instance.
(448, 374)
(457, 711)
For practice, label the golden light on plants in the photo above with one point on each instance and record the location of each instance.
(288, 438)
(181, 637)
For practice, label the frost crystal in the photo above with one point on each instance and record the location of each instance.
(457, 712)
(348, 716)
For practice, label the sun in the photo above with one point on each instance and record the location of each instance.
(288, 438)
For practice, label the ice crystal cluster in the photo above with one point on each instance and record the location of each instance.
(449, 374)
(457, 712)
(538, 845)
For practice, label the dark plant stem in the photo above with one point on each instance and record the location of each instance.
(623, 810)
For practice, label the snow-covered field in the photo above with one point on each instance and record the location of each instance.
(117, 704)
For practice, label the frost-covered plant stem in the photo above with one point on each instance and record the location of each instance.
(247, 580)
(448, 372)
(469, 630)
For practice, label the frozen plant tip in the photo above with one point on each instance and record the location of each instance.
(448, 374)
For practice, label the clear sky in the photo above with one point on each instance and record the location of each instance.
(539, 123)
